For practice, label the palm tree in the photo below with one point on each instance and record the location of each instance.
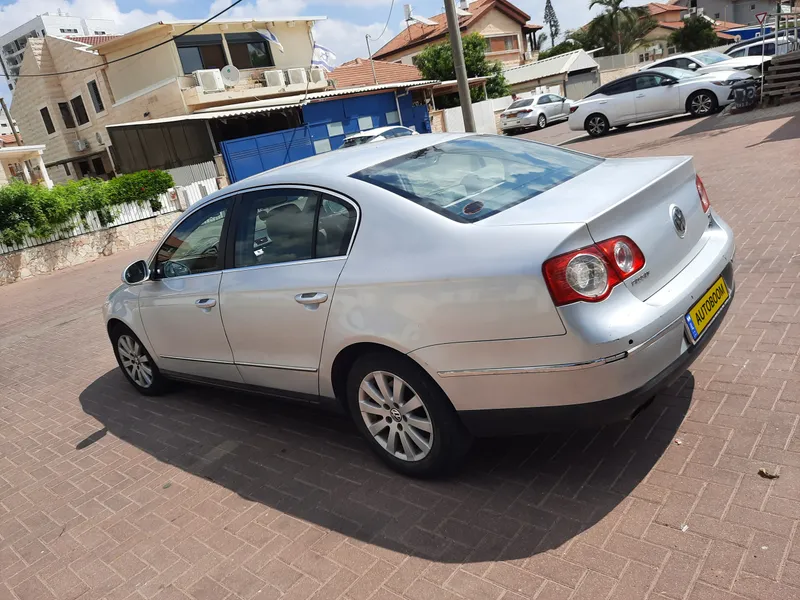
(620, 27)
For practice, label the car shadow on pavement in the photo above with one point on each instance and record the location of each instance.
(513, 498)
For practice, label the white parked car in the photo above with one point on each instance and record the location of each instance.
(376, 135)
(708, 61)
(651, 95)
(536, 111)
(756, 46)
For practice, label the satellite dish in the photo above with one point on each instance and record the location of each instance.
(462, 13)
(230, 75)
(424, 21)
(737, 38)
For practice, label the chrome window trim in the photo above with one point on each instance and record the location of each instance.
(242, 364)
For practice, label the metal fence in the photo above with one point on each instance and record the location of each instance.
(173, 201)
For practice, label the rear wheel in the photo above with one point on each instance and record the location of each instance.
(136, 363)
(596, 125)
(405, 417)
(541, 122)
(702, 103)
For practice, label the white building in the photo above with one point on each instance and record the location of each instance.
(5, 127)
(12, 43)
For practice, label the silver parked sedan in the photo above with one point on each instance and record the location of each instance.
(436, 288)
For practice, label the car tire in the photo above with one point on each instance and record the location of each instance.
(436, 441)
(136, 363)
(596, 125)
(541, 122)
(702, 103)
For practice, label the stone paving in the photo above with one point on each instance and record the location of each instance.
(211, 495)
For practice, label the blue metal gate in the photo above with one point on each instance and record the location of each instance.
(251, 155)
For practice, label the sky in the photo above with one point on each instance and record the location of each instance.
(348, 21)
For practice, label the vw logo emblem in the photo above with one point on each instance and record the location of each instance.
(678, 221)
(396, 414)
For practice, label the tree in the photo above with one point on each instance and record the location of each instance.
(697, 33)
(566, 46)
(436, 62)
(551, 20)
(619, 29)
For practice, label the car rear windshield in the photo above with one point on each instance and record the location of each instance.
(468, 179)
(357, 141)
(520, 103)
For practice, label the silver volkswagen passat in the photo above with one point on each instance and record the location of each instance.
(436, 287)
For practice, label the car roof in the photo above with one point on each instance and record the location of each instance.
(325, 169)
(374, 132)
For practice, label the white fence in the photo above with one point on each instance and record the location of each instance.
(172, 201)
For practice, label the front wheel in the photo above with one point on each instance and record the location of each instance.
(702, 103)
(136, 363)
(596, 125)
(541, 122)
(405, 417)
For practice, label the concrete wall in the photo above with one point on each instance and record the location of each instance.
(612, 74)
(54, 256)
(130, 76)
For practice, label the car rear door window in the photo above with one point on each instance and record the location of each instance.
(335, 226)
(194, 245)
(618, 87)
(650, 80)
(544, 100)
(474, 177)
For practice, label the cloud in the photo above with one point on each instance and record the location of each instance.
(347, 39)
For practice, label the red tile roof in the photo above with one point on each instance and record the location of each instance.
(7, 139)
(719, 27)
(358, 72)
(417, 33)
(656, 8)
(92, 40)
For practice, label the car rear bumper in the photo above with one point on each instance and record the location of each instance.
(507, 125)
(521, 421)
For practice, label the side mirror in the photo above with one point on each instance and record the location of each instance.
(136, 273)
(692, 66)
(666, 82)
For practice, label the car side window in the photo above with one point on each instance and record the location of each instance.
(644, 82)
(275, 226)
(401, 132)
(619, 87)
(769, 50)
(678, 63)
(335, 227)
(544, 100)
(554, 98)
(739, 53)
(194, 245)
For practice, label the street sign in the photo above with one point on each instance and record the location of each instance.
(761, 17)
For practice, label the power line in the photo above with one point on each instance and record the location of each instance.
(391, 7)
(121, 58)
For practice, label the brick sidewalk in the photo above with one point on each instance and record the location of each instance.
(211, 495)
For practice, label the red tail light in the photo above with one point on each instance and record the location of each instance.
(589, 274)
(572, 109)
(524, 110)
(701, 189)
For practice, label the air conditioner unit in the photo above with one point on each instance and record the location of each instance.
(209, 80)
(80, 145)
(274, 79)
(318, 75)
(297, 76)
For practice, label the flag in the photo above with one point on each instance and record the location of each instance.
(270, 37)
(323, 57)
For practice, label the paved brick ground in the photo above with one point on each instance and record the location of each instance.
(209, 495)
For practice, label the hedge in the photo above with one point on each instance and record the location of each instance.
(33, 210)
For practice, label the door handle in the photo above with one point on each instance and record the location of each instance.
(640, 95)
(206, 303)
(311, 298)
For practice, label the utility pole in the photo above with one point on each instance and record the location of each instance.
(371, 62)
(10, 122)
(458, 63)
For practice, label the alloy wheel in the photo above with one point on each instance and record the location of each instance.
(597, 125)
(395, 416)
(135, 361)
(542, 121)
(701, 104)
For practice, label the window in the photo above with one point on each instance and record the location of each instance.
(100, 33)
(48, 122)
(474, 177)
(397, 132)
(68, 30)
(98, 166)
(336, 223)
(365, 123)
(709, 57)
(520, 103)
(752, 7)
(644, 82)
(200, 52)
(769, 49)
(66, 170)
(544, 99)
(392, 117)
(193, 246)
(503, 43)
(618, 87)
(716, 15)
(66, 115)
(554, 98)
(738, 53)
(94, 94)
(84, 168)
(80, 110)
(249, 50)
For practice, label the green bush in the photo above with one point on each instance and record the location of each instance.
(33, 210)
(140, 187)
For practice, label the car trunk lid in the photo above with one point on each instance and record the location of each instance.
(641, 198)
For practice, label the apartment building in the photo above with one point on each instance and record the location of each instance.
(506, 27)
(5, 126)
(14, 42)
(69, 113)
(735, 11)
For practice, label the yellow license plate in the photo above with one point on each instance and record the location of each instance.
(511, 115)
(702, 313)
